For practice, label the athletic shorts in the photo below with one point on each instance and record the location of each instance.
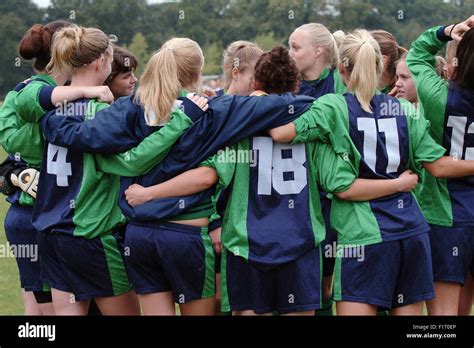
(388, 274)
(171, 257)
(295, 286)
(452, 252)
(23, 240)
(87, 268)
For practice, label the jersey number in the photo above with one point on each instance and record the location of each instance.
(57, 165)
(387, 126)
(458, 123)
(273, 166)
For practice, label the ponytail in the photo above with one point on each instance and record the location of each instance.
(177, 65)
(360, 54)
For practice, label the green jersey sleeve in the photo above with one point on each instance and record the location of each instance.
(335, 174)
(151, 151)
(224, 168)
(18, 137)
(323, 120)
(27, 102)
(423, 148)
(432, 89)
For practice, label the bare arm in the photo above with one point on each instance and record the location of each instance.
(369, 189)
(283, 134)
(449, 167)
(185, 184)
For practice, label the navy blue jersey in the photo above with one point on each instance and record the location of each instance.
(458, 140)
(122, 126)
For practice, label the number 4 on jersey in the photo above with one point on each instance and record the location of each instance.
(57, 165)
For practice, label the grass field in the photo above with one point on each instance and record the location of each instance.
(10, 296)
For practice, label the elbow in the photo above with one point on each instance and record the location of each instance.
(279, 135)
(346, 195)
(209, 179)
(435, 169)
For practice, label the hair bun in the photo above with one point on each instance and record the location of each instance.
(32, 44)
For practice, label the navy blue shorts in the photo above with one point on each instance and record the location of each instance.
(452, 251)
(388, 274)
(330, 240)
(88, 268)
(23, 240)
(291, 287)
(171, 257)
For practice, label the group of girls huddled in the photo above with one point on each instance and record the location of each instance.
(340, 169)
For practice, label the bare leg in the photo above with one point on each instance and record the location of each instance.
(466, 298)
(29, 302)
(158, 303)
(47, 308)
(125, 304)
(64, 303)
(446, 301)
(355, 308)
(412, 309)
(205, 306)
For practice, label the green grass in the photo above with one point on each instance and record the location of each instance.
(11, 302)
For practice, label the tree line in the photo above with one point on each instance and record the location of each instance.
(143, 27)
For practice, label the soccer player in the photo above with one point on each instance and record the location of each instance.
(314, 50)
(391, 53)
(272, 264)
(404, 84)
(76, 211)
(379, 137)
(122, 79)
(446, 204)
(24, 142)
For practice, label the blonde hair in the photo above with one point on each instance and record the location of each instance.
(175, 66)
(241, 55)
(75, 47)
(360, 54)
(321, 36)
(339, 37)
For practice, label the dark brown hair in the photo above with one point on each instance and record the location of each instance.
(464, 75)
(124, 62)
(276, 71)
(389, 47)
(37, 41)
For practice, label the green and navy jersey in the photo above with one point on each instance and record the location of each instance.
(450, 109)
(378, 145)
(78, 192)
(19, 137)
(273, 214)
(329, 82)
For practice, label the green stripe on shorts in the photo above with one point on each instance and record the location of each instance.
(209, 288)
(117, 271)
(225, 305)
